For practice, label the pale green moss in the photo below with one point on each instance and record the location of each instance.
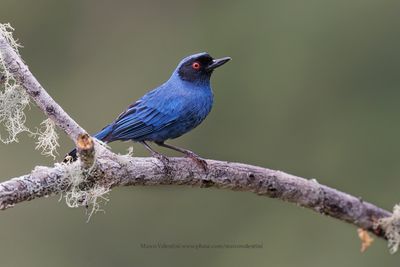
(90, 198)
(47, 139)
(13, 101)
(391, 225)
(13, 98)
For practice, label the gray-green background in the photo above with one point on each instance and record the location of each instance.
(313, 89)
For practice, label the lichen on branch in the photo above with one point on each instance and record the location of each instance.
(14, 100)
(47, 139)
(13, 97)
(83, 192)
(391, 226)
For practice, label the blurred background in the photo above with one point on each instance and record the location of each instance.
(313, 90)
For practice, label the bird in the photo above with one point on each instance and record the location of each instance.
(167, 112)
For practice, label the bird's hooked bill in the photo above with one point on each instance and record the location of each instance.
(218, 62)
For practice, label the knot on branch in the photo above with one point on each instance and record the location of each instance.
(86, 151)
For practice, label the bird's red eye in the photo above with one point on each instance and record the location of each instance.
(196, 65)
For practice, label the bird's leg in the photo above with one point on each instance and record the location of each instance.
(156, 154)
(188, 154)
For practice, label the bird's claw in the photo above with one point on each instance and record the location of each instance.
(162, 158)
(199, 161)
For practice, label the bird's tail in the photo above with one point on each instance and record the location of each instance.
(71, 156)
(103, 135)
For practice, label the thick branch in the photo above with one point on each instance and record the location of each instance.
(123, 170)
(44, 101)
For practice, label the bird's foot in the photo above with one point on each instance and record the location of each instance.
(164, 160)
(199, 161)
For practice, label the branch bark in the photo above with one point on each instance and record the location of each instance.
(116, 170)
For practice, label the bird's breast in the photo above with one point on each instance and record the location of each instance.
(199, 104)
(195, 108)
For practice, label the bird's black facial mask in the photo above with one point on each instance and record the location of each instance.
(199, 68)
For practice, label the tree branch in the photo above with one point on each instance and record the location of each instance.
(106, 169)
(118, 170)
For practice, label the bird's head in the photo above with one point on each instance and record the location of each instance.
(198, 68)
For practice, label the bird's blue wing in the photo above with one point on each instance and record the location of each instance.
(138, 121)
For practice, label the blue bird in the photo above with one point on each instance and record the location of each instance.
(169, 111)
